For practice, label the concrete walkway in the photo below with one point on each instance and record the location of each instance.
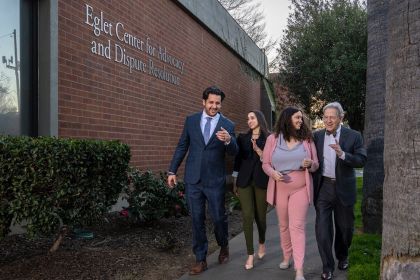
(267, 268)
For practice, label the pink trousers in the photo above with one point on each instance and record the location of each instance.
(292, 207)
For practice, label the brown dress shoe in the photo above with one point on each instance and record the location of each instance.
(224, 255)
(198, 268)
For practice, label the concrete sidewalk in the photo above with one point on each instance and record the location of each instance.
(268, 267)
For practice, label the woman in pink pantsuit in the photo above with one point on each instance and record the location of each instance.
(289, 157)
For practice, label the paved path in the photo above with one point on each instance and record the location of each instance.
(267, 268)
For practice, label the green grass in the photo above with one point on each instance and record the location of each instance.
(365, 251)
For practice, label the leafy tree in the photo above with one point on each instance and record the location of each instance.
(6, 101)
(249, 15)
(323, 55)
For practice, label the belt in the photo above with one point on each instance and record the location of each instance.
(328, 179)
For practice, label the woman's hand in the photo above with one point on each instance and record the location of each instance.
(256, 148)
(277, 176)
(307, 163)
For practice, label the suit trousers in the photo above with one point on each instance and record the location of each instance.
(254, 206)
(332, 216)
(197, 195)
(292, 207)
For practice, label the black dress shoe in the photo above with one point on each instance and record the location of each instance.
(343, 265)
(327, 275)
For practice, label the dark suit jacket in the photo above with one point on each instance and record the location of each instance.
(248, 163)
(205, 163)
(351, 142)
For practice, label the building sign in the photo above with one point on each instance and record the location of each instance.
(159, 62)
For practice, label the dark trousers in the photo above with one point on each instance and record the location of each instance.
(254, 207)
(332, 217)
(197, 195)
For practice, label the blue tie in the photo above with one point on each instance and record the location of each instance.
(207, 130)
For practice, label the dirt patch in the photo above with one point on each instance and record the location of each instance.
(119, 250)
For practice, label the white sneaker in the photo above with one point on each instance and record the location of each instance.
(284, 265)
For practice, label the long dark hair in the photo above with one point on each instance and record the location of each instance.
(261, 122)
(284, 126)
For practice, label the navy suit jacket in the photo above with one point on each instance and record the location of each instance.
(205, 163)
(351, 142)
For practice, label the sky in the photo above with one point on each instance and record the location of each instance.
(276, 13)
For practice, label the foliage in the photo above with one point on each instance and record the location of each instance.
(50, 182)
(365, 251)
(150, 199)
(7, 104)
(358, 206)
(323, 55)
(249, 15)
(233, 202)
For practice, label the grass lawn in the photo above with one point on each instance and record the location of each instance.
(365, 251)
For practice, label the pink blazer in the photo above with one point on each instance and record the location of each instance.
(267, 166)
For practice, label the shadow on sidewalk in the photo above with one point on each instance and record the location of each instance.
(267, 268)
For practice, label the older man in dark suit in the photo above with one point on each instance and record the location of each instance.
(339, 150)
(207, 137)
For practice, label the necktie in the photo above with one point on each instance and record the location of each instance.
(334, 133)
(207, 130)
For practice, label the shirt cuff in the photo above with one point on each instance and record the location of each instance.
(343, 156)
(235, 174)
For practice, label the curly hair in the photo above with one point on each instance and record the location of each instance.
(284, 126)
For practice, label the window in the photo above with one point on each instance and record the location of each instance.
(17, 60)
(9, 68)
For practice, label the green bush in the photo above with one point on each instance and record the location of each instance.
(150, 199)
(51, 182)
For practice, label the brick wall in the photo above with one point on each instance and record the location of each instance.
(99, 97)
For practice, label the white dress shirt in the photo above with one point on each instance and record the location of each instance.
(213, 123)
(330, 155)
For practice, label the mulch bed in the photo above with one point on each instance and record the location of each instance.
(120, 249)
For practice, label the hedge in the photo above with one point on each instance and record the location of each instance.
(50, 182)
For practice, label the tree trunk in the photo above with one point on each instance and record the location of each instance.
(401, 219)
(373, 176)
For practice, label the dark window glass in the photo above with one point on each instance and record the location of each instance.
(10, 98)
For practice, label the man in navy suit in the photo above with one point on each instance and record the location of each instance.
(207, 136)
(339, 150)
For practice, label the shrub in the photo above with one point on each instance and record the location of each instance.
(150, 199)
(51, 182)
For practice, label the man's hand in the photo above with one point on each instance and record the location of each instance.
(235, 187)
(223, 135)
(171, 181)
(336, 147)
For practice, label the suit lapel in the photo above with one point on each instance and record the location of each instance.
(197, 123)
(343, 136)
(321, 145)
